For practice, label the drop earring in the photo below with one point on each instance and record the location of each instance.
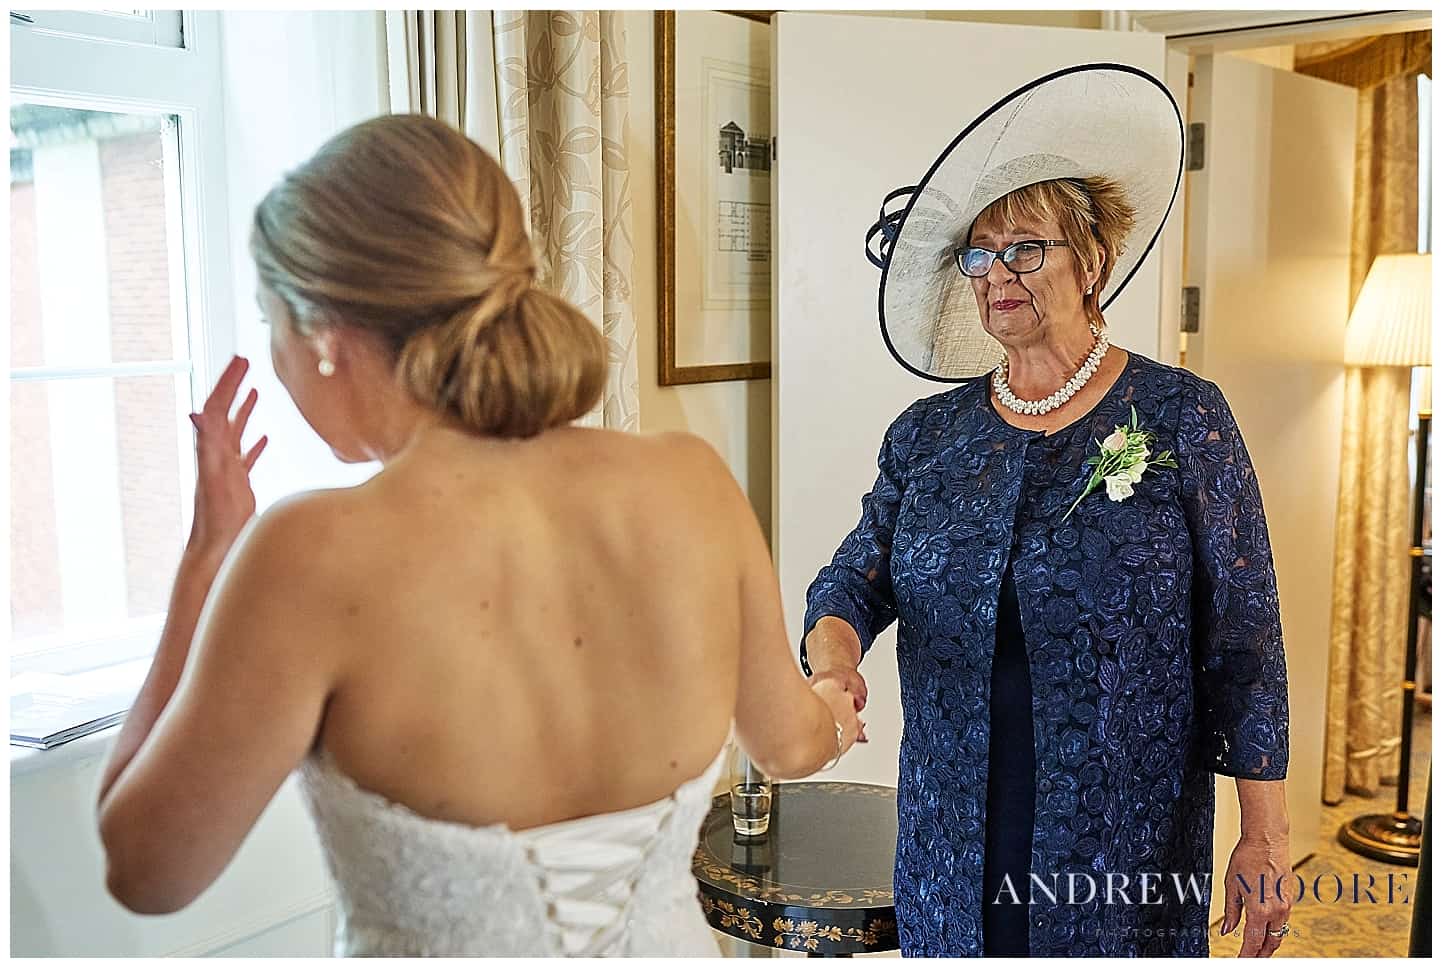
(326, 367)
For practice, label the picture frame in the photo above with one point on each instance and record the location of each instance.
(716, 301)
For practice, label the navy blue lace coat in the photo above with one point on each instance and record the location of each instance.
(1153, 633)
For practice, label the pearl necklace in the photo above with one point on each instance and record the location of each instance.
(1068, 390)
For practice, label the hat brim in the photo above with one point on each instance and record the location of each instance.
(1110, 120)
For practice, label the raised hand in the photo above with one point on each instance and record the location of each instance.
(224, 500)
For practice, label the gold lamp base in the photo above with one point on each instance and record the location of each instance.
(1384, 836)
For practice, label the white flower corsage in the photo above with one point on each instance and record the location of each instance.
(1121, 461)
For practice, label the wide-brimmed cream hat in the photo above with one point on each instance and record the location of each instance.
(1110, 120)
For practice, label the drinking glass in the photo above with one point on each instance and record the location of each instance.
(750, 796)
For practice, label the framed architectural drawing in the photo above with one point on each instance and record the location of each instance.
(713, 196)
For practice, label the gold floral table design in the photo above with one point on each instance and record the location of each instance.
(819, 881)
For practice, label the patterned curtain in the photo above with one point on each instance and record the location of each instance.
(562, 92)
(547, 93)
(1371, 568)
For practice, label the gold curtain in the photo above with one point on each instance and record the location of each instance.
(1369, 586)
(1371, 568)
(1364, 62)
(547, 93)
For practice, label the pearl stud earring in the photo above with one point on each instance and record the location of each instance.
(326, 367)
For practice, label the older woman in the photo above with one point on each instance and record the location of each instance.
(1076, 555)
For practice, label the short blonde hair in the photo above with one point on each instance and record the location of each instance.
(1094, 216)
(405, 228)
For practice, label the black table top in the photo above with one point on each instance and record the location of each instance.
(819, 880)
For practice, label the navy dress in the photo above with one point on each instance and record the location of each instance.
(1010, 787)
(1155, 651)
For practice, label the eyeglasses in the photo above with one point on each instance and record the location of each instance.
(1019, 257)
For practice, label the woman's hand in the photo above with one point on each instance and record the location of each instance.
(843, 710)
(847, 677)
(1266, 860)
(833, 651)
(845, 681)
(224, 501)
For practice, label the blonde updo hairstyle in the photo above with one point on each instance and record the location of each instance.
(1094, 216)
(404, 228)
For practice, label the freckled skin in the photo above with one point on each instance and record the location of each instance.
(649, 653)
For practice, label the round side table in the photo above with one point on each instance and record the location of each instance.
(818, 881)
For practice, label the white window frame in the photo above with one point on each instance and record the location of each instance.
(48, 66)
(156, 28)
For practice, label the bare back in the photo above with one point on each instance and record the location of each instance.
(535, 630)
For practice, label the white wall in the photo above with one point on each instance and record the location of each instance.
(58, 901)
(292, 79)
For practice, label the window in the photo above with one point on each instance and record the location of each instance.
(100, 373)
(163, 28)
(119, 272)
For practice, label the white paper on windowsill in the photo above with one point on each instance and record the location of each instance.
(122, 676)
(24, 760)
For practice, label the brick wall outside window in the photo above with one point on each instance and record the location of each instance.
(34, 562)
(133, 187)
(133, 192)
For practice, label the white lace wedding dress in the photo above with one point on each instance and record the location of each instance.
(610, 884)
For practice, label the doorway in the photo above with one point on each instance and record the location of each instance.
(1271, 273)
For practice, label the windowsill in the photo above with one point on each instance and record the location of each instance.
(25, 761)
(76, 652)
(121, 679)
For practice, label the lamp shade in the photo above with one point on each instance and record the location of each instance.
(1391, 324)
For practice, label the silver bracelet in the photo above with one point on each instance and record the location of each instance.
(839, 738)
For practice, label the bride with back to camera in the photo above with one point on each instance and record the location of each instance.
(507, 665)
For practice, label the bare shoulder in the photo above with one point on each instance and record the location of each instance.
(298, 540)
(692, 462)
(688, 449)
(675, 451)
(312, 515)
(279, 584)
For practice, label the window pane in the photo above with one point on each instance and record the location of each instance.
(96, 475)
(96, 261)
(160, 28)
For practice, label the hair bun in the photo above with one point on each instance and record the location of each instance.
(403, 227)
(509, 370)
